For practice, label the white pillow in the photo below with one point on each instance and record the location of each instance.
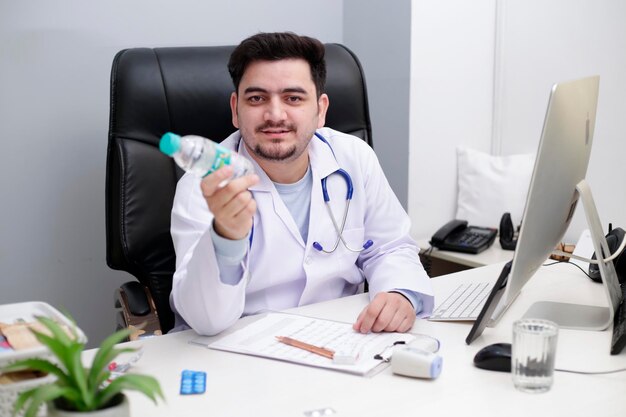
(491, 185)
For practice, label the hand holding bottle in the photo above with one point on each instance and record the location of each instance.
(232, 205)
(202, 156)
(225, 180)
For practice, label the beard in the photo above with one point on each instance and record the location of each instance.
(274, 153)
(274, 150)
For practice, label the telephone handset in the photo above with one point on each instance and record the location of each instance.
(457, 236)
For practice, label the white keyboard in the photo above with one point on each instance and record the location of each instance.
(464, 304)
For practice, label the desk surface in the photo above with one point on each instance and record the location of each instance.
(240, 385)
(492, 255)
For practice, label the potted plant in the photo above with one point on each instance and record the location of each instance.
(77, 388)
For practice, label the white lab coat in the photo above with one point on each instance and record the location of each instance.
(280, 270)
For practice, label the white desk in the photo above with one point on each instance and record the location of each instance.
(240, 385)
(492, 255)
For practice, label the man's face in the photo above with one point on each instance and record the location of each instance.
(277, 110)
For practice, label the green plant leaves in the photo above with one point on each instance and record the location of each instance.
(79, 388)
(99, 371)
(34, 398)
(39, 365)
(145, 384)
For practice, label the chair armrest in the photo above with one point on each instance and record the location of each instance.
(137, 310)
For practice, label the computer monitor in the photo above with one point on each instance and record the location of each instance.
(557, 182)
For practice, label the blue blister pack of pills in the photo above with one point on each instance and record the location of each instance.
(192, 382)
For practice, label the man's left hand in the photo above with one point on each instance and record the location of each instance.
(387, 312)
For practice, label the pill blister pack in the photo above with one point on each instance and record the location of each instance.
(192, 382)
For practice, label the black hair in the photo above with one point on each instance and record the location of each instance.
(277, 46)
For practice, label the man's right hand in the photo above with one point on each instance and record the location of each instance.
(232, 206)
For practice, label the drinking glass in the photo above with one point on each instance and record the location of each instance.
(533, 354)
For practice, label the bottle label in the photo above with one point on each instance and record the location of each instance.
(222, 157)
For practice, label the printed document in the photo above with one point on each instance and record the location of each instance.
(259, 339)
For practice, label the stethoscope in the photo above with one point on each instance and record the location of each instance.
(338, 229)
(349, 192)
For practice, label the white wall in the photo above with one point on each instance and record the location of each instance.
(474, 63)
(542, 43)
(54, 107)
(380, 36)
(452, 45)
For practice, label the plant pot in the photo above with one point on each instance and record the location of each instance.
(119, 408)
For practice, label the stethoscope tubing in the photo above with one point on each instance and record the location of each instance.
(349, 193)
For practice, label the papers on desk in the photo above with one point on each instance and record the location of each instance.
(259, 339)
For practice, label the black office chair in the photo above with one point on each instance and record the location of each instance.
(185, 90)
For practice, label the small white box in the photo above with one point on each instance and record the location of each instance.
(28, 312)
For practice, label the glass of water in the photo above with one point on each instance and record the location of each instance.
(533, 354)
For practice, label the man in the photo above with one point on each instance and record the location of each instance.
(266, 241)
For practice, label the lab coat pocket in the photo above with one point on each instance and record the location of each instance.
(345, 259)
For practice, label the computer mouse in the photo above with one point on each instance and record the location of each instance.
(496, 357)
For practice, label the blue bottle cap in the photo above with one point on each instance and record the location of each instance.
(170, 143)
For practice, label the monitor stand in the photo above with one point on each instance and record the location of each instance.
(585, 317)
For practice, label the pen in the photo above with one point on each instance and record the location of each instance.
(327, 353)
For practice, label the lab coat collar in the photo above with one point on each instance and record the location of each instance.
(321, 159)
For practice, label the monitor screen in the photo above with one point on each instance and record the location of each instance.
(560, 166)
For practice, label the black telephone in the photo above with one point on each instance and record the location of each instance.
(457, 236)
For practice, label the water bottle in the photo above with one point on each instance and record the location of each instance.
(202, 156)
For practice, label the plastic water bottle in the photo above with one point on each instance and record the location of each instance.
(202, 156)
